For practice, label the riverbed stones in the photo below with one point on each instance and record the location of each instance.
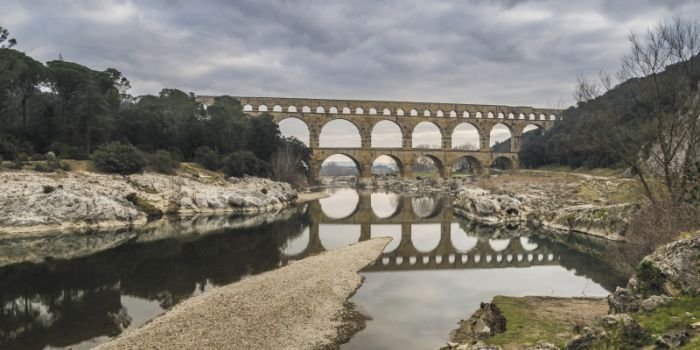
(485, 322)
(488, 207)
(653, 302)
(678, 266)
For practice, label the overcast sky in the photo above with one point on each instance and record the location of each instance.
(484, 52)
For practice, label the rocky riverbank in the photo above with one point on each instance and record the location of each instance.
(659, 308)
(81, 200)
(595, 206)
(300, 306)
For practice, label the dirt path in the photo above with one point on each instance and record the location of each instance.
(300, 306)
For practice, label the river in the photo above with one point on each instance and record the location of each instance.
(436, 271)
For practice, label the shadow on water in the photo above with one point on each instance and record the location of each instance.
(78, 302)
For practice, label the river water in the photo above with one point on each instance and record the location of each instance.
(436, 271)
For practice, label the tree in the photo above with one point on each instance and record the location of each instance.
(20, 76)
(289, 162)
(5, 37)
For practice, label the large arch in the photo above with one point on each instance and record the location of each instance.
(425, 165)
(295, 127)
(387, 164)
(426, 135)
(340, 133)
(386, 134)
(340, 164)
(502, 163)
(466, 136)
(499, 138)
(466, 165)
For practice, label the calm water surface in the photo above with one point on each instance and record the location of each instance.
(436, 271)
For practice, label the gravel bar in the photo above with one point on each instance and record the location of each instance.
(295, 307)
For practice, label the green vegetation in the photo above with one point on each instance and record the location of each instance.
(674, 316)
(72, 110)
(118, 158)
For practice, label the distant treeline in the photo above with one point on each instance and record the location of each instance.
(70, 110)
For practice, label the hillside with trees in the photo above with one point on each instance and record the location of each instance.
(76, 112)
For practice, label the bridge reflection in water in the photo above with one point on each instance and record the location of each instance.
(425, 234)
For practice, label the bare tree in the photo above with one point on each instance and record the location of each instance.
(285, 164)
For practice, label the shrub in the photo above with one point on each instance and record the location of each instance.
(118, 158)
(37, 157)
(66, 151)
(208, 158)
(48, 189)
(162, 162)
(242, 163)
(8, 150)
(649, 278)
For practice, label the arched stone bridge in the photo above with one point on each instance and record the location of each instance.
(365, 115)
(406, 254)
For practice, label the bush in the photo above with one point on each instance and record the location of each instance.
(118, 158)
(48, 189)
(8, 150)
(242, 163)
(37, 157)
(208, 158)
(66, 151)
(163, 162)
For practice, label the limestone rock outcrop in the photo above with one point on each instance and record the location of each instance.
(488, 207)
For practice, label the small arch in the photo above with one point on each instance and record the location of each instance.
(552, 117)
(277, 108)
(386, 134)
(306, 109)
(292, 109)
(478, 115)
(399, 111)
(247, 108)
(373, 111)
(531, 116)
(501, 116)
(489, 115)
(453, 114)
(542, 117)
(346, 110)
(320, 109)
(426, 113)
(424, 238)
(511, 116)
(333, 110)
(465, 114)
(359, 110)
(414, 113)
(439, 113)
(386, 111)
(262, 108)
(521, 116)
(426, 135)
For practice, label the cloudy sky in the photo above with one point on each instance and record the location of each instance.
(509, 52)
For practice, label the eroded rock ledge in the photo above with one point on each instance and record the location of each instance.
(37, 202)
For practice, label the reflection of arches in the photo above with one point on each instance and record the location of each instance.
(337, 134)
(527, 244)
(499, 245)
(426, 135)
(379, 165)
(297, 245)
(500, 133)
(334, 236)
(392, 231)
(424, 237)
(341, 204)
(385, 205)
(461, 242)
(426, 207)
(293, 126)
(465, 136)
(386, 133)
(502, 163)
(466, 165)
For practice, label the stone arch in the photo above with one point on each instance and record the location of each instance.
(430, 135)
(399, 112)
(380, 138)
(333, 110)
(531, 116)
(414, 112)
(306, 109)
(437, 163)
(277, 108)
(296, 127)
(292, 109)
(478, 115)
(500, 133)
(334, 137)
(426, 206)
(521, 116)
(489, 115)
(453, 114)
(424, 238)
(359, 110)
(326, 164)
(502, 163)
(386, 111)
(346, 110)
(262, 108)
(466, 165)
(552, 117)
(397, 166)
(320, 109)
(372, 111)
(426, 113)
(500, 115)
(511, 116)
(543, 117)
(466, 133)
(465, 114)
(247, 108)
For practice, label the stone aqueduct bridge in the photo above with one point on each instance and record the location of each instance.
(316, 113)
(406, 256)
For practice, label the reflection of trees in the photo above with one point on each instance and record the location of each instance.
(62, 303)
(424, 206)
